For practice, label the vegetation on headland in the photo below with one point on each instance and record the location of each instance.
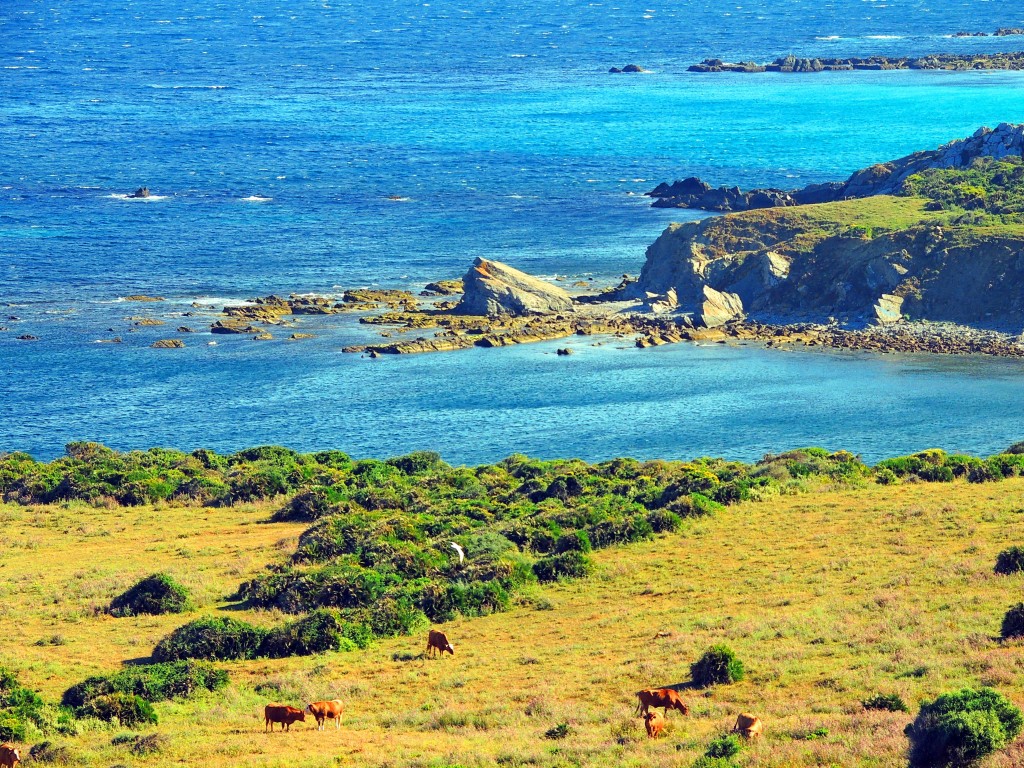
(711, 570)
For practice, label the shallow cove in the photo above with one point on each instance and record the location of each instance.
(480, 405)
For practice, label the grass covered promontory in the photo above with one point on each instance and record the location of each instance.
(834, 590)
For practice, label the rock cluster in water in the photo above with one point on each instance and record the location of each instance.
(949, 61)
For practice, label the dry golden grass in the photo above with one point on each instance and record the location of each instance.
(828, 598)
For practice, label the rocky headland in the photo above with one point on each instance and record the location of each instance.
(1004, 141)
(947, 61)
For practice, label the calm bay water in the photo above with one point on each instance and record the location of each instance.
(273, 136)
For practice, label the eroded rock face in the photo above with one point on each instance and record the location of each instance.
(493, 288)
(719, 308)
(888, 309)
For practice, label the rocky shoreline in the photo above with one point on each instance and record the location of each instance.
(500, 306)
(940, 61)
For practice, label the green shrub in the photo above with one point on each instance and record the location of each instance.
(417, 463)
(152, 682)
(318, 632)
(702, 505)
(307, 505)
(718, 665)
(663, 521)
(886, 476)
(1013, 622)
(727, 746)
(958, 729)
(577, 541)
(155, 594)
(559, 731)
(890, 702)
(568, 565)
(126, 708)
(1010, 560)
(213, 638)
(12, 727)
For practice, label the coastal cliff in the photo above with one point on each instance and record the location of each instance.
(875, 260)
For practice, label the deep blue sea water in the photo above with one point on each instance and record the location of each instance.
(272, 134)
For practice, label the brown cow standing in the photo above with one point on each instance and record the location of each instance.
(9, 755)
(748, 725)
(283, 714)
(659, 697)
(326, 710)
(655, 723)
(438, 641)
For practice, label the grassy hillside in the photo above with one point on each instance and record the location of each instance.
(829, 597)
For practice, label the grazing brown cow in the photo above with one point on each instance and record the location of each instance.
(283, 714)
(9, 755)
(438, 641)
(325, 710)
(655, 723)
(659, 697)
(748, 725)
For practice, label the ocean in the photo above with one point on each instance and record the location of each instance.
(273, 135)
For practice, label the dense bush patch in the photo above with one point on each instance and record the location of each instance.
(958, 729)
(125, 708)
(717, 666)
(213, 638)
(152, 682)
(1010, 560)
(155, 594)
(394, 544)
(1013, 622)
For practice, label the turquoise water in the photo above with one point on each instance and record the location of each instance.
(503, 130)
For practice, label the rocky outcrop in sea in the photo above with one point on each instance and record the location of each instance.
(496, 289)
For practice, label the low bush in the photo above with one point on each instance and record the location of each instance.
(1010, 560)
(156, 594)
(713, 762)
(152, 744)
(890, 702)
(54, 754)
(568, 565)
(1013, 622)
(727, 746)
(213, 638)
(559, 731)
(717, 666)
(958, 729)
(152, 682)
(125, 708)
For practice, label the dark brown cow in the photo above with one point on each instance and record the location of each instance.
(9, 755)
(438, 641)
(659, 697)
(748, 725)
(325, 710)
(655, 723)
(283, 714)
